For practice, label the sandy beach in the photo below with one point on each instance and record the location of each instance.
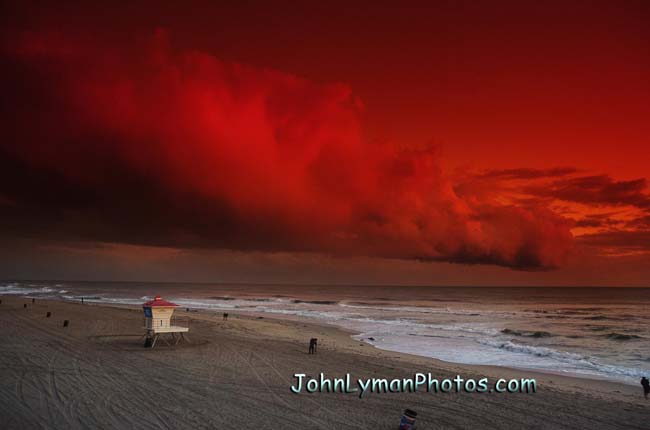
(238, 373)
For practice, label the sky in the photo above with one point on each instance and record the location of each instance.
(416, 143)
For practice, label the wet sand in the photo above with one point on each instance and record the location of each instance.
(237, 374)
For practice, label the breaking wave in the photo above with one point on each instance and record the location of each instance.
(524, 333)
(621, 336)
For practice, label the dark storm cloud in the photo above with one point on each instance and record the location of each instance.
(641, 223)
(596, 190)
(597, 220)
(528, 173)
(145, 145)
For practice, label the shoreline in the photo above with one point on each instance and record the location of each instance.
(539, 374)
(95, 373)
(344, 336)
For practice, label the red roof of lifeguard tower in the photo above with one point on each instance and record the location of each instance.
(158, 301)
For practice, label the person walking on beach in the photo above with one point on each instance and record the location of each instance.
(225, 316)
(312, 345)
(645, 383)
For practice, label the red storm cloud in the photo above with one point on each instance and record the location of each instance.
(148, 145)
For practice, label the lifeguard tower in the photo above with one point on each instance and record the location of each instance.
(158, 321)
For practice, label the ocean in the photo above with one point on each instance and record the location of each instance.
(601, 333)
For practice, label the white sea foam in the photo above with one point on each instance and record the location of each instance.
(17, 289)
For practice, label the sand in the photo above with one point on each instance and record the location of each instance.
(237, 374)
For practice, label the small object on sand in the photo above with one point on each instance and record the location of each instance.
(187, 309)
(408, 420)
(66, 323)
(49, 314)
(225, 316)
(33, 300)
(371, 338)
(25, 305)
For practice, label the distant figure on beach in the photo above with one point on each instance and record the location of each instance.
(313, 345)
(225, 316)
(82, 300)
(645, 383)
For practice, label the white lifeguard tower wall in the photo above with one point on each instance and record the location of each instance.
(158, 316)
